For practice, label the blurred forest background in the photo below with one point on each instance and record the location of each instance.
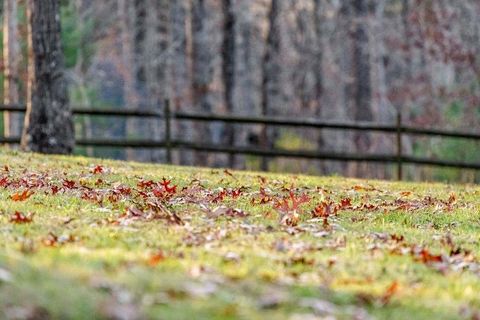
(356, 60)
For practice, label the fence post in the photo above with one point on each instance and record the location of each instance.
(168, 141)
(399, 146)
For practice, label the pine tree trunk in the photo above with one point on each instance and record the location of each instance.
(160, 86)
(129, 93)
(318, 15)
(136, 127)
(362, 68)
(11, 58)
(48, 121)
(181, 74)
(271, 76)
(228, 53)
(203, 72)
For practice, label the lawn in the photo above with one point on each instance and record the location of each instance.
(87, 238)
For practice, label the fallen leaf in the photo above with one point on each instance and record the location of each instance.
(22, 196)
(98, 169)
(156, 258)
(390, 292)
(20, 218)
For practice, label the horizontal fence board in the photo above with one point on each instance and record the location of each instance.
(303, 154)
(282, 121)
(108, 112)
(440, 133)
(9, 140)
(314, 155)
(117, 112)
(319, 124)
(137, 144)
(276, 121)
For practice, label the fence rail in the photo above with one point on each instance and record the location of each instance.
(167, 143)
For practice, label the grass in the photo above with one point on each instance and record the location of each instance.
(396, 251)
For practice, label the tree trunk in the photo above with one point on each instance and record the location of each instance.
(228, 53)
(181, 73)
(361, 70)
(11, 58)
(318, 20)
(271, 75)
(318, 16)
(160, 86)
(136, 127)
(129, 94)
(203, 71)
(48, 121)
(247, 75)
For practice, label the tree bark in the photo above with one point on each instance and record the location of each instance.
(161, 67)
(228, 70)
(181, 73)
(129, 94)
(203, 71)
(11, 58)
(136, 127)
(48, 121)
(361, 68)
(318, 16)
(361, 65)
(271, 75)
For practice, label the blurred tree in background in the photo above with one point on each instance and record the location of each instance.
(335, 60)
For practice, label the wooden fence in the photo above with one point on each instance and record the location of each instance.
(398, 129)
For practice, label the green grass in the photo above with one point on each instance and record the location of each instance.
(103, 265)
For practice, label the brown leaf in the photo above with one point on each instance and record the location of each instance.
(51, 240)
(134, 212)
(228, 173)
(156, 258)
(22, 196)
(390, 292)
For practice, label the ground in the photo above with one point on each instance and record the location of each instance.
(86, 238)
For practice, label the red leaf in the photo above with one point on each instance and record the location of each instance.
(145, 184)
(235, 193)
(166, 185)
(4, 182)
(220, 196)
(98, 169)
(291, 202)
(54, 189)
(20, 218)
(69, 184)
(426, 257)
(345, 203)
(124, 190)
